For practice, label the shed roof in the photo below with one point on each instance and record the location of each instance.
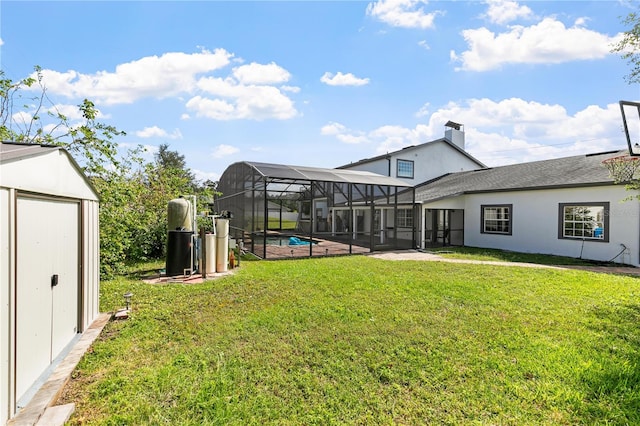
(280, 171)
(15, 151)
(67, 180)
(567, 172)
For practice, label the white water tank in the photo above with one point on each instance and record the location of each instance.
(222, 245)
(210, 243)
(179, 216)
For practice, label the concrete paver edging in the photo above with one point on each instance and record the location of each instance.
(47, 395)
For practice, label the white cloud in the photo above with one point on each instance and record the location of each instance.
(549, 41)
(157, 132)
(504, 11)
(424, 110)
(580, 22)
(402, 13)
(246, 92)
(254, 73)
(205, 176)
(393, 138)
(223, 150)
(48, 118)
(233, 101)
(153, 76)
(343, 134)
(333, 129)
(424, 44)
(340, 79)
(387, 138)
(1, 42)
(72, 112)
(292, 89)
(507, 131)
(514, 130)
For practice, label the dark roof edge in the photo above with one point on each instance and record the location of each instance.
(528, 188)
(536, 188)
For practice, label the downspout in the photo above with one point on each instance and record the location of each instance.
(350, 231)
(416, 215)
(395, 217)
(372, 227)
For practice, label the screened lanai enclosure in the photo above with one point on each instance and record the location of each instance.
(279, 211)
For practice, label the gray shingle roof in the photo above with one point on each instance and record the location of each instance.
(581, 170)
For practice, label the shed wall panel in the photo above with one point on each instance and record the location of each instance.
(91, 263)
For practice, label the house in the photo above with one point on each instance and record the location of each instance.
(49, 265)
(567, 206)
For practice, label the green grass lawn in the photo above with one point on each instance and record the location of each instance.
(357, 340)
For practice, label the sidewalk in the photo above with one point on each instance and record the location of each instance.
(419, 255)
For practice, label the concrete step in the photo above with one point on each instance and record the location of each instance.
(57, 415)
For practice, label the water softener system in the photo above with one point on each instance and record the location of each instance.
(180, 241)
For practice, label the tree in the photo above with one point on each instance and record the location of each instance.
(133, 194)
(162, 180)
(629, 46)
(34, 118)
(90, 141)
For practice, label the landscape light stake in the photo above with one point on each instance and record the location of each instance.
(127, 299)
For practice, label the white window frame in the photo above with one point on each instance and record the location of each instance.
(405, 218)
(495, 214)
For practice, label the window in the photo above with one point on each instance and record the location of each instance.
(405, 218)
(496, 219)
(405, 169)
(584, 221)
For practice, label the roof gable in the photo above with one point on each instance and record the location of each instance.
(411, 148)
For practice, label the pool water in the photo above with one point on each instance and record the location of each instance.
(288, 241)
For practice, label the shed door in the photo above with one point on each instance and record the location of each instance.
(47, 245)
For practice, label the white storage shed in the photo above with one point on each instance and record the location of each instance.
(49, 266)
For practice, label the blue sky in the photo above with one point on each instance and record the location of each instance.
(327, 83)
